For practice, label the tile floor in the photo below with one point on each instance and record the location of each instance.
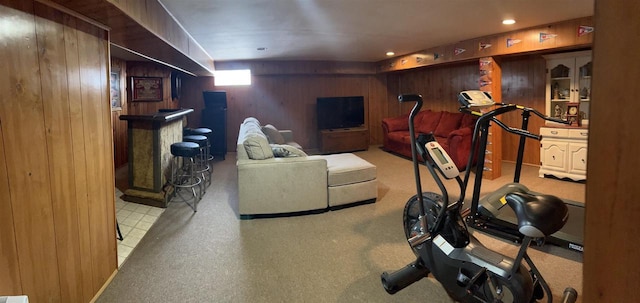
(134, 220)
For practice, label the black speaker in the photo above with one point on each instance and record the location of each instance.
(176, 85)
(214, 117)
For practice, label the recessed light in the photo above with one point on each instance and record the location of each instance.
(508, 21)
(390, 54)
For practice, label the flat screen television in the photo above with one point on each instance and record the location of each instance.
(340, 112)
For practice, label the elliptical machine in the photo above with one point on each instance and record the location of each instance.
(438, 236)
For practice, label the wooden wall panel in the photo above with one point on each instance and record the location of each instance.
(286, 101)
(611, 220)
(26, 158)
(119, 126)
(50, 34)
(378, 107)
(9, 264)
(92, 55)
(438, 85)
(56, 158)
(78, 142)
(523, 83)
(149, 69)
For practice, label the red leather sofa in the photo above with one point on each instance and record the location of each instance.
(452, 130)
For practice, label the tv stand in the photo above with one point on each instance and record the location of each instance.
(344, 140)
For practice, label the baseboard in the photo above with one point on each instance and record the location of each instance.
(338, 207)
(280, 215)
(306, 212)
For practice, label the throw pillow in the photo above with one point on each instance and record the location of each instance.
(257, 147)
(274, 136)
(285, 151)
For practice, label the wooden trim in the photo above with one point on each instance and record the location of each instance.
(567, 38)
(73, 13)
(104, 286)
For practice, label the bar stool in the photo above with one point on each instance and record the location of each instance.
(201, 131)
(184, 175)
(202, 160)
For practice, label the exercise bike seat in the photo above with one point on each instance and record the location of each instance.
(538, 215)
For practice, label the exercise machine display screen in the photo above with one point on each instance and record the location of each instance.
(442, 160)
(439, 155)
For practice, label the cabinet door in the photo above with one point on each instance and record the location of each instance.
(583, 86)
(578, 158)
(553, 155)
(568, 80)
(560, 87)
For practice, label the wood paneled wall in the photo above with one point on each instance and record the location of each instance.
(611, 249)
(127, 69)
(438, 85)
(286, 101)
(120, 142)
(149, 69)
(523, 83)
(57, 210)
(286, 96)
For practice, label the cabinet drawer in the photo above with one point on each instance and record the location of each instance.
(554, 132)
(579, 133)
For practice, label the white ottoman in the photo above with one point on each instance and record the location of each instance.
(351, 180)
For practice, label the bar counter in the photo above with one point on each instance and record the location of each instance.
(149, 139)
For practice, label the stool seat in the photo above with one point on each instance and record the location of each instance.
(198, 139)
(202, 131)
(185, 149)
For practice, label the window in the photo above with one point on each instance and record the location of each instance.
(232, 77)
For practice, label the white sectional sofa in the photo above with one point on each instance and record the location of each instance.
(277, 178)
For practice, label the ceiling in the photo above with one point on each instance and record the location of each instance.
(354, 30)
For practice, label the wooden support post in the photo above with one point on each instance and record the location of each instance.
(490, 81)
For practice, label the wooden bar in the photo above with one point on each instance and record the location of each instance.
(150, 139)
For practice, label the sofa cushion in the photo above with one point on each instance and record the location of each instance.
(396, 123)
(400, 136)
(257, 146)
(448, 123)
(348, 168)
(286, 151)
(251, 120)
(273, 135)
(468, 121)
(427, 121)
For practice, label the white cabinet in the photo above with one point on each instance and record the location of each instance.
(568, 81)
(563, 152)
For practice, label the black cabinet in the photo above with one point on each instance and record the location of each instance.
(214, 117)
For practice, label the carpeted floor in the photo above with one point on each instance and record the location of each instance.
(337, 256)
